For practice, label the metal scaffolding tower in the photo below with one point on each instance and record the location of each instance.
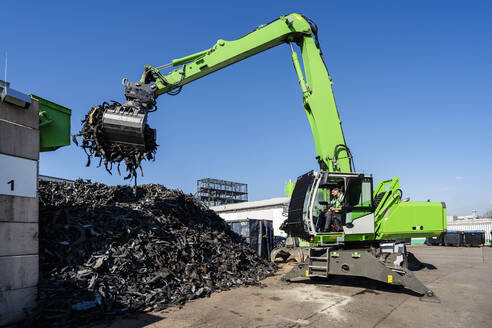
(215, 192)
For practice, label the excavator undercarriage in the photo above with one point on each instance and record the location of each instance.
(387, 263)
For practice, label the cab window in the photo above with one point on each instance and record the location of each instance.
(359, 193)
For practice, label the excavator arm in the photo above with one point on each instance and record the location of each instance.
(365, 240)
(318, 101)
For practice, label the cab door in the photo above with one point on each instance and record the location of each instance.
(298, 206)
(358, 205)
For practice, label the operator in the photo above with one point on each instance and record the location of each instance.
(334, 215)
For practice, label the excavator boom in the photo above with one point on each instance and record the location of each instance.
(317, 94)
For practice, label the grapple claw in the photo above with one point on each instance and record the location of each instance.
(119, 133)
(125, 125)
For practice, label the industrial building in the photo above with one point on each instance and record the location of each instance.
(54, 179)
(215, 192)
(271, 209)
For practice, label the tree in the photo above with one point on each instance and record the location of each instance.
(487, 214)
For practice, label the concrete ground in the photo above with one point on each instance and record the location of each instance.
(461, 278)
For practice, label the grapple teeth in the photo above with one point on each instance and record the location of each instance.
(125, 125)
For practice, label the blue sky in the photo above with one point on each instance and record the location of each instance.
(411, 79)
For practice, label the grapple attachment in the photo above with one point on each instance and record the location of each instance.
(116, 133)
(125, 125)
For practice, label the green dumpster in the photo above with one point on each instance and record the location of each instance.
(54, 124)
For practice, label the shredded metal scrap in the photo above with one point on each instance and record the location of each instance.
(95, 145)
(104, 252)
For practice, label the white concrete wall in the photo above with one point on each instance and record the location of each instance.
(274, 214)
(267, 209)
(19, 153)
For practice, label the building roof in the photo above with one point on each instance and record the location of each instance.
(270, 202)
(55, 179)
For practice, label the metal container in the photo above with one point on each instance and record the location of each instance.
(435, 241)
(477, 224)
(54, 125)
(474, 238)
(257, 233)
(453, 238)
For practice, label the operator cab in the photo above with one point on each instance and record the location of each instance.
(315, 208)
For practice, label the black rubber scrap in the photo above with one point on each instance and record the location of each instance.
(105, 252)
(96, 146)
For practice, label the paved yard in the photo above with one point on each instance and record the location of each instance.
(461, 277)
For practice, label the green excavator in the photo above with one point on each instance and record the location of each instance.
(368, 240)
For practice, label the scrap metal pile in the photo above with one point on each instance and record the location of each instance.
(104, 251)
(96, 145)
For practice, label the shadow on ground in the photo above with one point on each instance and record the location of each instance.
(134, 320)
(369, 285)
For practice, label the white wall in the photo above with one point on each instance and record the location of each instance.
(19, 212)
(272, 213)
(266, 209)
